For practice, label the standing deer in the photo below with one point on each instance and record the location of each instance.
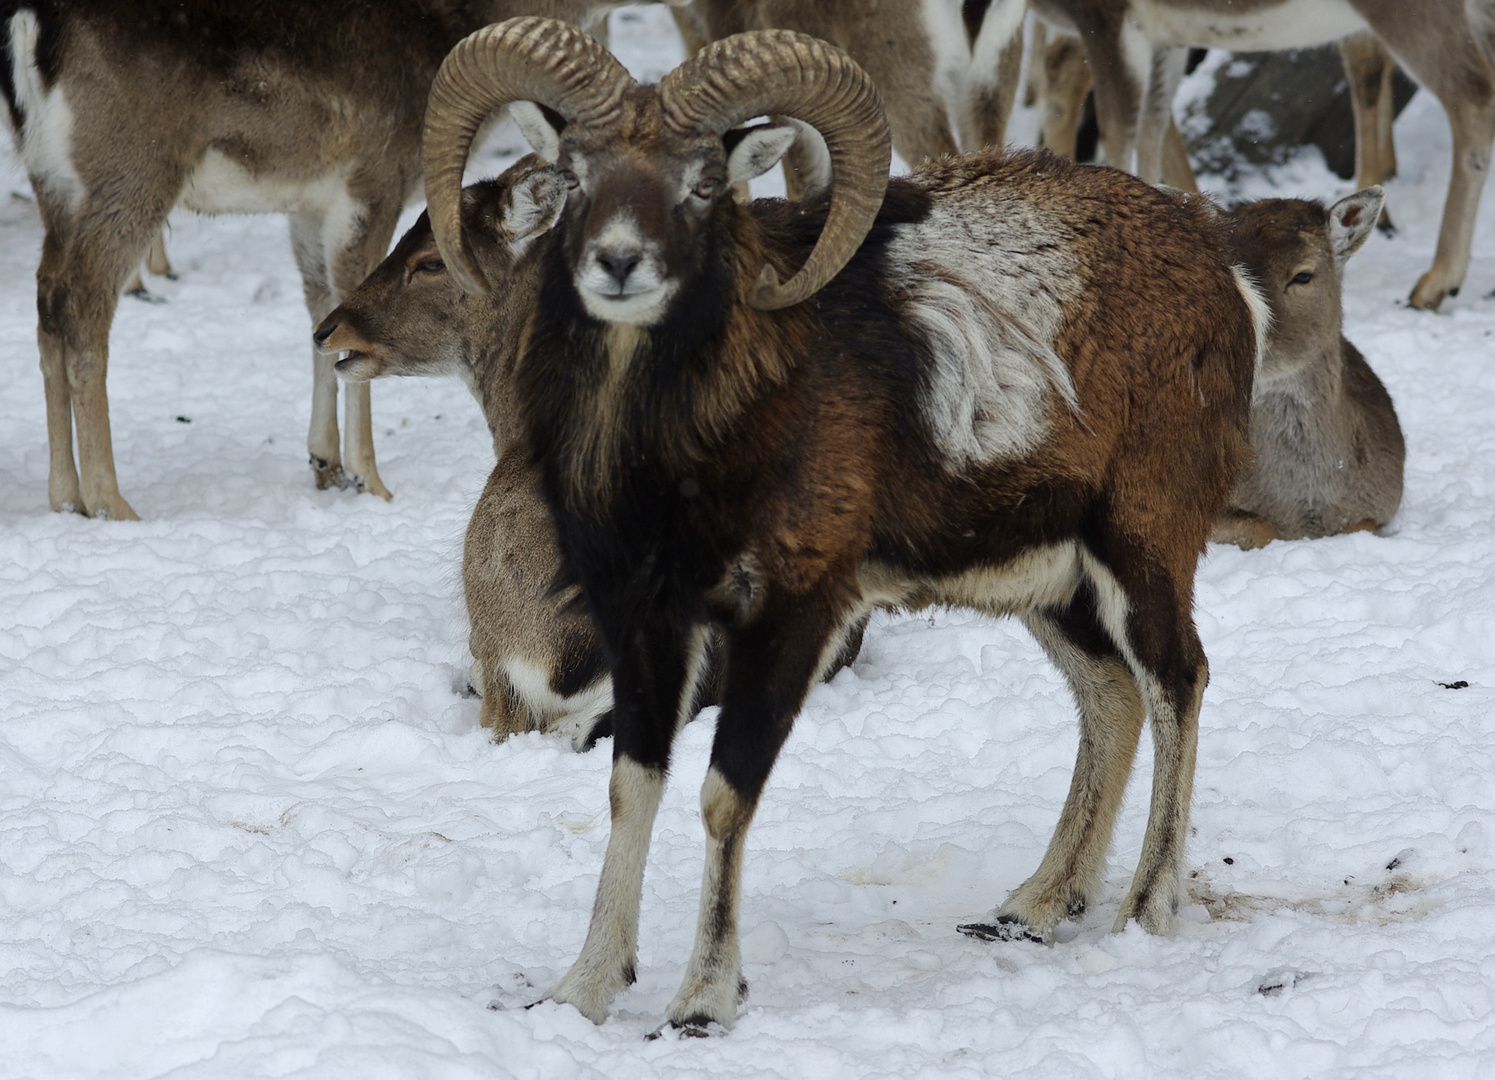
(124, 109)
(1136, 50)
(1329, 450)
(918, 52)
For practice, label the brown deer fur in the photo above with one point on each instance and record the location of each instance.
(917, 52)
(1135, 52)
(1059, 80)
(123, 109)
(1026, 392)
(538, 662)
(1329, 450)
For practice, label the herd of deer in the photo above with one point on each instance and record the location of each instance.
(1023, 385)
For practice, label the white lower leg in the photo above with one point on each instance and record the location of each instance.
(605, 966)
(358, 440)
(713, 985)
(1157, 888)
(321, 436)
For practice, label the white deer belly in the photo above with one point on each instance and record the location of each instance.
(1249, 26)
(220, 185)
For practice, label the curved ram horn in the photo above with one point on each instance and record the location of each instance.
(785, 73)
(526, 59)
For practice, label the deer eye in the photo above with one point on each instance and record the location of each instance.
(1301, 278)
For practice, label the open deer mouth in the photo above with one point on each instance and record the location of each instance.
(347, 358)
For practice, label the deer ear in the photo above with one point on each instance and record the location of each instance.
(1351, 219)
(533, 203)
(540, 126)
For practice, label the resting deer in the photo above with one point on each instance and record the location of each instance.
(1136, 51)
(1329, 450)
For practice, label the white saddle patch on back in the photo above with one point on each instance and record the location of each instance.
(988, 285)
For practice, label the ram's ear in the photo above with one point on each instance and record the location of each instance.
(541, 126)
(533, 203)
(1351, 220)
(751, 152)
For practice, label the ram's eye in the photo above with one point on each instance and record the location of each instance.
(1301, 278)
(572, 180)
(706, 188)
(430, 266)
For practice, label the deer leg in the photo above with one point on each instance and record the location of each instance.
(316, 284)
(1065, 81)
(78, 286)
(1120, 60)
(771, 665)
(1038, 47)
(1243, 529)
(156, 261)
(654, 688)
(1369, 68)
(1473, 132)
(995, 71)
(1111, 714)
(1177, 171)
(1456, 71)
(63, 491)
(368, 240)
(1149, 617)
(1165, 73)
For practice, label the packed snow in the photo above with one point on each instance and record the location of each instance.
(250, 826)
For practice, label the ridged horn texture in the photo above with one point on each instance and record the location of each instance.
(527, 59)
(780, 72)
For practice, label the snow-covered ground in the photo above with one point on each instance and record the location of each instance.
(250, 828)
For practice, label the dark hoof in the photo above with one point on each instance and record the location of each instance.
(145, 295)
(328, 475)
(1004, 929)
(694, 1027)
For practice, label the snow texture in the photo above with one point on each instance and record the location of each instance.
(250, 827)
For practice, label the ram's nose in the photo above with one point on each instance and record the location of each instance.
(618, 264)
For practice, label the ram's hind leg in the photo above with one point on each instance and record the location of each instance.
(1111, 714)
(1146, 607)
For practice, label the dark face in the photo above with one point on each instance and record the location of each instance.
(1286, 247)
(410, 317)
(640, 199)
(637, 204)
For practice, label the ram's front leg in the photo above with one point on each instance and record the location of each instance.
(653, 685)
(770, 667)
